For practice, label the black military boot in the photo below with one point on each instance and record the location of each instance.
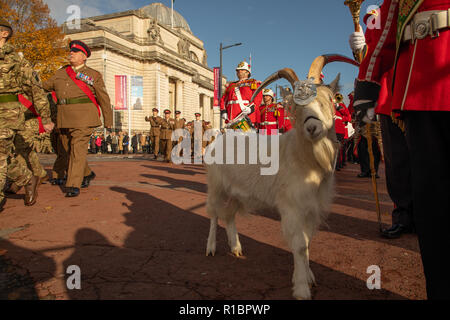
(396, 231)
(87, 180)
(73, 192)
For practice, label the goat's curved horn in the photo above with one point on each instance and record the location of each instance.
(285, 73)
(321, 61)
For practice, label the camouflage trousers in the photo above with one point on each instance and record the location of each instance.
(24, 145)
(10, 167)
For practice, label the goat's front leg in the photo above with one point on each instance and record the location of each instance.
(293, 230)
(211, 245)
(233, 237)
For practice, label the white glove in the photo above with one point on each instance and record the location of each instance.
(246, 110)
(224, 116)
(369, 117)
(357, 40)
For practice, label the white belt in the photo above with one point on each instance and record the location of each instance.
(237, 102)
(338, 118)
(267, 123)
(427, 23)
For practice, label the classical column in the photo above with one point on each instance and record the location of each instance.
(179, 103)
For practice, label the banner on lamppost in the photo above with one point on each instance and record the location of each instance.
(121, 93)
(216, 86)
(137, 92)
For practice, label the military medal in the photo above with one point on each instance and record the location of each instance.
(85, 78)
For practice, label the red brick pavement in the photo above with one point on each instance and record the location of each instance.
(140, 230)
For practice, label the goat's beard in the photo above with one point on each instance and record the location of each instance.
(324, 151)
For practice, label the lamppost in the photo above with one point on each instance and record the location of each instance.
(220, 73)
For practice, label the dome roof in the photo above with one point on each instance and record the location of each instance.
(163, 15)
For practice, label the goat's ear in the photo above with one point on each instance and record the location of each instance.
(284, 92)
(334, 86)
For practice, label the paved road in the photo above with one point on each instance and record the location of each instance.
(140, 230)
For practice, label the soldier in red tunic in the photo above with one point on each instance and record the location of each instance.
(270, 113)
(342, 117)
(414, 42)
(236, 99)
(396, 154)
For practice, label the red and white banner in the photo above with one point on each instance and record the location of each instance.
(216, 86)
(121, 93)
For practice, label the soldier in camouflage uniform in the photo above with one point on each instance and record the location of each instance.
(27, 142)
(17, 77)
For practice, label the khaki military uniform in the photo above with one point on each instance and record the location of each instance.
(16, 77)
(155, 132)
(199, 144)
(167, 127)
(61, 164)
(77, 117)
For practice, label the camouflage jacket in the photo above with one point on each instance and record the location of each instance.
(18, 77)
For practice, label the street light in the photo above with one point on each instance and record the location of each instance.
(220, 73)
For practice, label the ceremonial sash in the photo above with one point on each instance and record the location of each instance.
(29, 105)
(83, 86)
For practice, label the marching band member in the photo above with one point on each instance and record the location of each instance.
(236, 99)
(272, 115)
(342, 117)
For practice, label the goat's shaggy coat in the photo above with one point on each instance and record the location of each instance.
(301, 191)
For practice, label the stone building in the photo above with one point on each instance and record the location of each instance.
(146, 63)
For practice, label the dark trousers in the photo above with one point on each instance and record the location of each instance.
(363, 155)
(428, 138)
(398, 171)
(340, 158)
(349, 150)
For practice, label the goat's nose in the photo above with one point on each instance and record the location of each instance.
(312, 128)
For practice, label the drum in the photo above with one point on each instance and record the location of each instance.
(241, 122)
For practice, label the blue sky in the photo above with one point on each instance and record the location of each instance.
(277, 34)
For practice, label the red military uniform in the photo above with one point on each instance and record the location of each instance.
(273, 118)
(416, 62)
(230, 99)
(342, 118)
(414, 44)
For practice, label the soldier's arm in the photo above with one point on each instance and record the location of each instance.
(49, 85)
(103, 100)
(32, 87)
(259, 97)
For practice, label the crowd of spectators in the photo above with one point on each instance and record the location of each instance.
(119, 143)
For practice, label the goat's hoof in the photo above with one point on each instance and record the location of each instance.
(311, 280)
(237, 252)
(210, 253)
(302, 293)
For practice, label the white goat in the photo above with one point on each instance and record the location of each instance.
(301, 191)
